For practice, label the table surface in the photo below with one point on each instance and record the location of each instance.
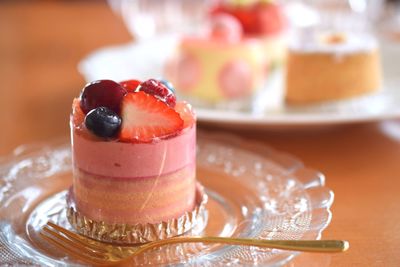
(40, 46)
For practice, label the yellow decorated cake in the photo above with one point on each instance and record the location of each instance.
(231, 59)
(214, 70)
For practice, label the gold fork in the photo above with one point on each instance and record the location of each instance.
(101, 254)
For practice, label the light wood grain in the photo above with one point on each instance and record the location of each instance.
(40, 46)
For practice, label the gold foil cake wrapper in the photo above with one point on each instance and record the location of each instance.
(120, 233)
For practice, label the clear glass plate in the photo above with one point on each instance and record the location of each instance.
(254, 191)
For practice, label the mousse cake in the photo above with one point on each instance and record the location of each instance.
(134, 158)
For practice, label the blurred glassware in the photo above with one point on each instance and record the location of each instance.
(389, 24)
(148, 18)
(333, 52)
(335, 14)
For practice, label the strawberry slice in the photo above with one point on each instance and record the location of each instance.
(144, 118)
(186, 112)
(130, 85)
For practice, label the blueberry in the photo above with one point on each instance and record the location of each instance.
(103, 122)
(168, 84)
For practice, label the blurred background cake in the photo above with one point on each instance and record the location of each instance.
(218, 64)
(332, 53)
(332, 66)
(230, 59)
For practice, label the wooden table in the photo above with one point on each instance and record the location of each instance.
(40, 46)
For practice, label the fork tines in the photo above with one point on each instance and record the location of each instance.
(74, 244)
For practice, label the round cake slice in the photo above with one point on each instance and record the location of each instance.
(134, 159)
(331, 67)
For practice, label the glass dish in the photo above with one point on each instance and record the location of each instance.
(148, 18)
(254, 191)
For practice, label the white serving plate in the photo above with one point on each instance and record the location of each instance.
(146, 59)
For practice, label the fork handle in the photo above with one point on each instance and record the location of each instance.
(295, 245)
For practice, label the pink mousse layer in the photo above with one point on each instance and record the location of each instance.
(133, 160)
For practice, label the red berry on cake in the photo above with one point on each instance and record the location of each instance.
(130, 85)
(159, 90)
(225, 27)
(261, 17)
(102, 93)
(240, 12)
(145, 117)
(269, 18)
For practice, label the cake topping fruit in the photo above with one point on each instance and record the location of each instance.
(130, 85)
(102, 93)
(225, 27)
(168, 85)
(103, 122)
(158, 90)
(144, 117)
(257, 17)
(130, 111)
(269, 18)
